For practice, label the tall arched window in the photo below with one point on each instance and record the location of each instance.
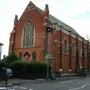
(65, 48)
(73, 49)
(28, 35)
(80, 50)
(85, 54)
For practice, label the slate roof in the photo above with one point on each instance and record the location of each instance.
(60, 23)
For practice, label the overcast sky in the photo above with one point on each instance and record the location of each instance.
(75, 13)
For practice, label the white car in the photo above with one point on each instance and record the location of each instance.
(9, 72)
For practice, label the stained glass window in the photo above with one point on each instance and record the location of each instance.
(28, 35)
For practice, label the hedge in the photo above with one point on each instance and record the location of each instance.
(29, 70)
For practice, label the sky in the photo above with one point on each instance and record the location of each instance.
(75, 13)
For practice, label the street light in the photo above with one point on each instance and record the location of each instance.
(48, 57)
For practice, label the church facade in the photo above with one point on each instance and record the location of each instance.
(37, 32)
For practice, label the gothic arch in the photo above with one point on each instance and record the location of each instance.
(28, 34)
(73, 49)
(26, 55)
(65, 46)
(80, 50)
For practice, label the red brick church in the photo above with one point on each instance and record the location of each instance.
(37, 32)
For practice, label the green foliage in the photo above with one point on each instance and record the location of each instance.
(36, 67)
(11, 59)
(24, 68)
(18, 66)
(32, 67)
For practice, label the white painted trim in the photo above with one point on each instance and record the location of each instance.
(57, 28)
(69, 70)
(74, 36)
(60, 70)
(66, 32)
(80, 39)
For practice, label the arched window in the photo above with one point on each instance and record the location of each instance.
(28, 35)
(65, 48)
(85, 53)
(80, 50)
(34, 56)
(73, 49)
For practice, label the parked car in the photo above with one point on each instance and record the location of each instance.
(9, 72)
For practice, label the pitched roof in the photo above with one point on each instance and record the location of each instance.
(60, 23)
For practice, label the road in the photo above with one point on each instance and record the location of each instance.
(75, 84)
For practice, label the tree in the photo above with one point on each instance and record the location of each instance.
(11, 59)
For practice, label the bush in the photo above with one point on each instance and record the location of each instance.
(35, 67)
(32, 69)
(18, 66)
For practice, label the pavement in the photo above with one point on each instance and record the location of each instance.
(16, 81)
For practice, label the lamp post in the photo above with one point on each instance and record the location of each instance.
(48, 57)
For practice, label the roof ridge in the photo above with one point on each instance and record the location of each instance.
(31, 5)
(61, 23)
